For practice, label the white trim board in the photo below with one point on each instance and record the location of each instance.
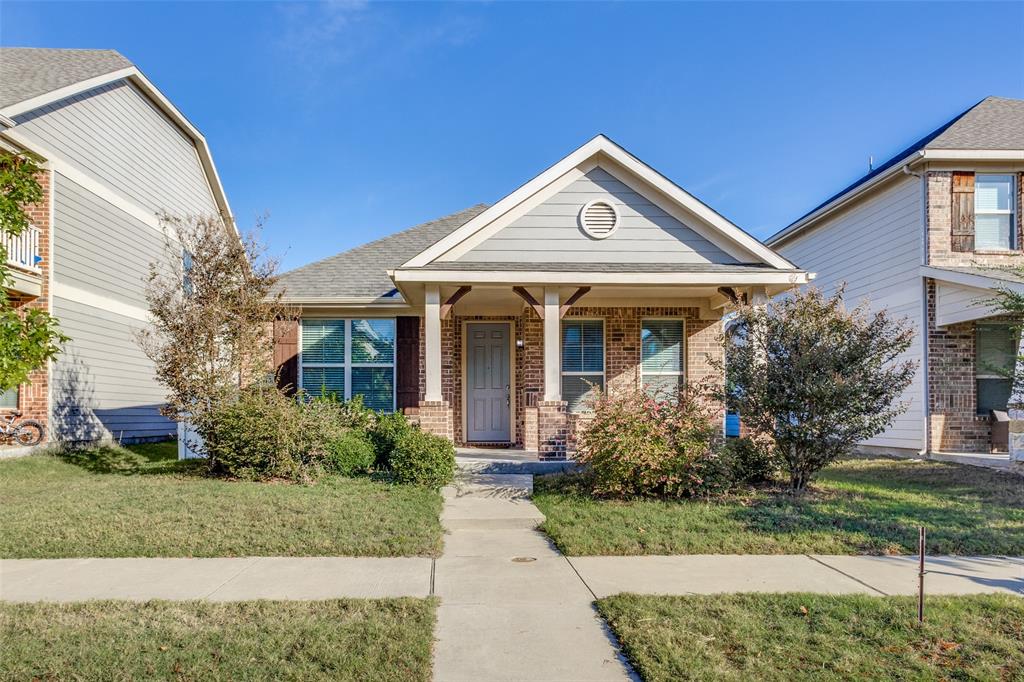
(593, 151)
(787, 277)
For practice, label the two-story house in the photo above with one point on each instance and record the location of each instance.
(117, 153)
(928, 235)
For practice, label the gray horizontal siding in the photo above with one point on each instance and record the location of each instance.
(103, 385)
(100, 248)
(116, 135)
(550, 232)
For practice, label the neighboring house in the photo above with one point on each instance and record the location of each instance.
(920, 235)
(492, 324)
(116, 153)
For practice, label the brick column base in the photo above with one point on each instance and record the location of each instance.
(552, 429)
(436, 417)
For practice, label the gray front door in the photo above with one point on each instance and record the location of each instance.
(487, 383)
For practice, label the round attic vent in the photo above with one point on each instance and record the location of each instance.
(599, 219)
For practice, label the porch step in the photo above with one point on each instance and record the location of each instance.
(490, 502)
(472, 465)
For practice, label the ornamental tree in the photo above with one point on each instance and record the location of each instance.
(213, 302)
(29, 337)
(815, 377)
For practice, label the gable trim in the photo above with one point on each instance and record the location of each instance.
(601, 144)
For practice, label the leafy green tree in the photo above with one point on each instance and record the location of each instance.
(815, 377)
(29, 337)
(1010, 303)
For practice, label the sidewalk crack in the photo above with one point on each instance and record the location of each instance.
(853, 578)
(578, 575)
(237, 573)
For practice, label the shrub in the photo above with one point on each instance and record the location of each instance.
(423, 459)
(639, 445)
(386, 432)
(751, 461)
(350, 454)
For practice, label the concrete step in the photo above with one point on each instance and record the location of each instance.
(489, 513)
(497, 486)
(471, 465)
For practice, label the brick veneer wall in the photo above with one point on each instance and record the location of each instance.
(33, 397)
(534, 424)
(940, 223)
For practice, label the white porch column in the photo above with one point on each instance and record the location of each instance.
(552, 346)
(432, 324)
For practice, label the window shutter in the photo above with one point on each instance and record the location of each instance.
(962, 236)
(286, 354)
(407, 362)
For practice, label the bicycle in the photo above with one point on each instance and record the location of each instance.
(23, 432)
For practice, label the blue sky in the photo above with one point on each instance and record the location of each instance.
(346, 121)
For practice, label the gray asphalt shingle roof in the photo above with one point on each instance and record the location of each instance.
(992, 123)
(601, 267)
(362, 272)
(27, 72)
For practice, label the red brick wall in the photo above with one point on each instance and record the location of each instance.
(33, 398)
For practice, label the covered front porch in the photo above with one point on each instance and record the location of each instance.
(511, 357)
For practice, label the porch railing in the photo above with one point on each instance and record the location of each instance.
(23, 250)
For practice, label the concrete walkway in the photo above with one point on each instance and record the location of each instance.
(512, 607)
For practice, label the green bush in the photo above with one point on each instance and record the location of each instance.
(750, 461)
(350, 454)
(386, 432)
(637, 445)
(423, 459)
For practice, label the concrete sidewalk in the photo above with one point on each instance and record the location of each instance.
(214, 579)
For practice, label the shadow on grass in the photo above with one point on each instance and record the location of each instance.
(143, 459)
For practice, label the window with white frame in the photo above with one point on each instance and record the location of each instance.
(346, 358)
(9, 399)
(994, 211)
(662, 357)
(582, 362)
(995, 354)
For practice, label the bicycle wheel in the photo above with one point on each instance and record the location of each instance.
(29, 432)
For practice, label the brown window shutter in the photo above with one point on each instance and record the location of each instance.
(407, 362)
(962, 236)
(286, 354)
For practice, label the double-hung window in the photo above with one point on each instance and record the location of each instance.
(9, 399)
(346, 358)
(995, 350)
(994, 211)
(662, 357)
(582, 362)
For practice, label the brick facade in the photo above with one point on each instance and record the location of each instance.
(33, 397)
(954, 425)
(545, 426)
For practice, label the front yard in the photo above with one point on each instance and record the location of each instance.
(818, 637)
(859, 506)
(142, 502)
(384, 639)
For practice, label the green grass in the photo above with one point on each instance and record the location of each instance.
(862, 506)
(818, 637)
(385, 640)
(142, 502)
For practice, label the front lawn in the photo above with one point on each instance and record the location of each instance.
(142, 502)
(818, 637)
(860, 506)
(385, 639)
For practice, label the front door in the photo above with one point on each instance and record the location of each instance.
(487, 383)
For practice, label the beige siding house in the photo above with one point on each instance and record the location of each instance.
(493, 325)
(117, 153)
(924, 235)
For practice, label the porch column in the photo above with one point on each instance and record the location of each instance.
(1015, 410)
(432, 323)
(552, 343)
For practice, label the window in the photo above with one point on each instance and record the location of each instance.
(582, 362)
(662, 365)
(346, 358)
(995, 351)
(9, 399)
(186, 273)
(994, 219)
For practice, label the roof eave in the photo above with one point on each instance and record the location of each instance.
(512, 277)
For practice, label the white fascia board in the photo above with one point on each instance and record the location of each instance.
(601, 145)
(842, 200)
(133, 74)
(587, 278)
(968, 279)
(974, 154)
